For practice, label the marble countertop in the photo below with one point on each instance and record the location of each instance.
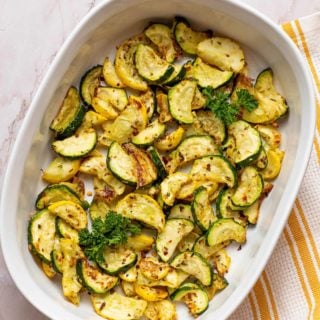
(31, 33)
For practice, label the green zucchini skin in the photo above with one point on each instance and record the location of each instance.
(89, 82)
(197, 293)
(202, 216)
(203, 272)
(249, 189)
(187, 38)
(85, 141)
(145, 53)
(41, 228)
(89, 275)
(113, 153)
(225, 230)
(56, 260)
(125, 265)
(155, 157)
(56, 192)
(72, 109)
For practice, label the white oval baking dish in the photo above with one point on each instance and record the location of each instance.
(106, 26)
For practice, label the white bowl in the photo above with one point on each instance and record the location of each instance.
(94, 38)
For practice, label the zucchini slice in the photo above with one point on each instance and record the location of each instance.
(91, 120)
(224, 53)
(71, 212)
(191, 148)
(115, 306)
(142, 208)
(221, 261)
(146, 171)
(186, 37)
(176, 76)
(96, 165)
(150, 66)
(219, 283)
(161, 310)
(61, 169)
(271, 105)
(129, 275)
(121, 164)
(98, 209)
(57, 257)
(127, 288)
(169, 238)
(249, 189)
(71, 286)
(54, 193)
(182, 211)
(148, 98)
(163, 106)
(160, 35)
(171, 185)
(153, 269)
(156, 158)
(270, 135)
(187, 191)
(70, 115)
(247, 143)
(225, 230)
(201, 209)
(110, 76)
(170, 141)
(195, 265)
(130, 122)
(148, 135)
(64, 230)
(252, 212)
(93, 279)
(115, 260)
(209, 76)
(225, 207)
(262, 159)
(48, 270)
(214, 168)
(151, 294)
(140, 242)
(206, 251)
(41, 234)
(211, 125)
(76, 146)
(172, 280)
(89, 83)
(180, 99)
(109, 101)
(103, 191)
(274, 164)
(125, 63)
(187, 243)
(199, 100)
(194, 297)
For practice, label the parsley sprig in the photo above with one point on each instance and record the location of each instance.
(246, 100)
(219, 103)
(112, 230)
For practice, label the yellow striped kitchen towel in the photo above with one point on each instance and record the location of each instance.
(289, 287)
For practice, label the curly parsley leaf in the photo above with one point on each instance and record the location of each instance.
(218, 103)
(246, 100)
(112, 230)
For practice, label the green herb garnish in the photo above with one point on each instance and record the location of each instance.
(246, 100)
(219, 103)
(112, 230)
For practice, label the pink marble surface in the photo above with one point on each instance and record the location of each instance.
(31, 33)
